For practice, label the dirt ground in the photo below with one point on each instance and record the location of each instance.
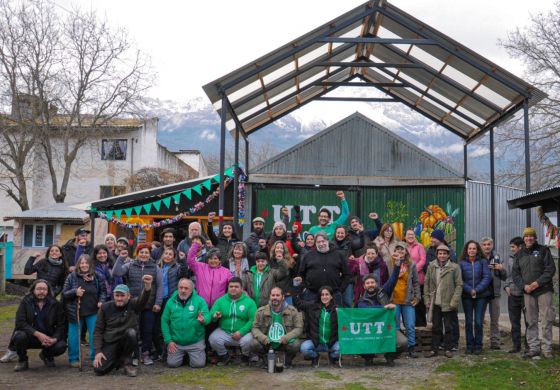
(408, 373)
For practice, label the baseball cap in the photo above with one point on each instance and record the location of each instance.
(121, 288)
(80, 231)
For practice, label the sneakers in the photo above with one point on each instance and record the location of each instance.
(49, 361)
(534, 355)
(74, 364)
(547, 355)
(315, 362)
(146, 359)
(431, 354)
(224, 360)
(130, 370)
(9, 356)
(21, 366)
(448, 354)
(412, 353)
(135, 362)
(335, 362)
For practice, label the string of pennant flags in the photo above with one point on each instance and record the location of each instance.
(151, 207)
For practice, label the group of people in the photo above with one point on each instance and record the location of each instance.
(199, 299)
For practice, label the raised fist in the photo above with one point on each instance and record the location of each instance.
(147, 279)
(340, 194)
(373, 215)
(211, 216)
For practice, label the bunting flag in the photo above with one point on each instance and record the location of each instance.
(153, 207)
(111, 215)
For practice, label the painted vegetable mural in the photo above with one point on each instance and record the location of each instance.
(435, 217)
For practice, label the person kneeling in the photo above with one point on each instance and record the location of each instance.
(277, 326)
(322, 327)
(40, 323)
(114, 337)
(182, 326)
(235, 312)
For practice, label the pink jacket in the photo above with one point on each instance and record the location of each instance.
(211, 283)
(418, 255)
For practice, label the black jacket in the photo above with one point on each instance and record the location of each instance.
(359, 240)
(312, 311)
(535, 264)
(54, 274)
(69, 252)
(325, 269)
(55, 320)
(222, 243)
(71, 300)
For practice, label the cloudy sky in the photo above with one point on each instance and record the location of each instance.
(194, 42)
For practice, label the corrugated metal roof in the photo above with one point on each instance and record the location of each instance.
(358, 145)
(389, 50)
(548, 199)
(57, 211)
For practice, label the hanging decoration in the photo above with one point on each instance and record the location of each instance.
(241, 199)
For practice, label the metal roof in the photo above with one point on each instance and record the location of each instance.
(375, 45)
(357, 150)
(548, 199)
(57, 211)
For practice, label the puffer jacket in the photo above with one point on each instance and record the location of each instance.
(69, 294)
(54, 274)
(134, 271)
(476, 276)
(175, 272)
(534, 265)
(450, 286)
(269, 280)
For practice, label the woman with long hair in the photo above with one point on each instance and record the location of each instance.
(50, 268)
(237, 259)
(369, 263)
(385, 242)
(103, 266)
(224, 240)
(84, 287)
(476, 281)
(278, 252)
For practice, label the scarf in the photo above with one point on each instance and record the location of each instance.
(56, 262)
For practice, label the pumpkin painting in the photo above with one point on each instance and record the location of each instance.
(431, 215)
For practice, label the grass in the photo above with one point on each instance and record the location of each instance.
(8, 313)
(9, 298)
(503, 373)
(327, 375)
(207, 377)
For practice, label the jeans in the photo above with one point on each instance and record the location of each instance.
(474, 311)
(348, 296)
(87, 322)
(147, 323)
(409, 316)
(310, 351)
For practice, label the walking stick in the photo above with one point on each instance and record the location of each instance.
(79, 332)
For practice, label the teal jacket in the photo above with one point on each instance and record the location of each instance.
(237, 316)
(180, 323)
(331, 227)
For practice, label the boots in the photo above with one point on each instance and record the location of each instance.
(411, 353)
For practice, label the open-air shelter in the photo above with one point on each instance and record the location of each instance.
(380, 47)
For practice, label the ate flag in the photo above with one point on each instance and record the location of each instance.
(362, 331)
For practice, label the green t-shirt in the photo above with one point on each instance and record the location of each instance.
(276, 330)
(257, 286)
(324, 327)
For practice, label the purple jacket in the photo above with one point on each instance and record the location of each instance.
(211, 283)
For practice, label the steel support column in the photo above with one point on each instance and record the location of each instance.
(92, 228)
(247, 156)
(236, 183)
(527, 155)
(492, 188)
(221, 199)
(465, 161)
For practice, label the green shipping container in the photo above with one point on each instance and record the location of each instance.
(422, 208)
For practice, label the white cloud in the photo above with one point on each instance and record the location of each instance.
(436, 149)
(479, 151)
(208, 135)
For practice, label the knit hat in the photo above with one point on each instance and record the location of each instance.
(279, 224)
(438, 234)
(442, 247)
(258, 219)
(529, 231)
(123, 239)
(401, 244)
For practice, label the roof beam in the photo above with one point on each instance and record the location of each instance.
(358, 84)
(365, 64)
(236, 120)
(453, 50)
(384, 41)
(276, 59)
(357, 99)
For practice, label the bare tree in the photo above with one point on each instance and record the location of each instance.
(78, 74)
(538, 46)
(259, 152)
(155, 177)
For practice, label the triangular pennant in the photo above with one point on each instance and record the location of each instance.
(118, 214)
(197, 189)
(109, 214)
(207, 184)
(148, 208)
(128, 212)
(229, 172)
(188, 193)
(138, 210)
(216, 178)
(177, 198)
(156, 204)
(166, 201)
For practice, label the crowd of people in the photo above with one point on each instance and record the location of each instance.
(199, 300)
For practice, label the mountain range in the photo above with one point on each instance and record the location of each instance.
(195, 124)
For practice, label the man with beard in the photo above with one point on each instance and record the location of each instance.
(277, 326)
(325, 224)
(323, 267)
(167, 238)
(74, 248)
(182, 326)
(360, 238)
(377, 296)
(40, 323)
(114, 337)
(255, 239)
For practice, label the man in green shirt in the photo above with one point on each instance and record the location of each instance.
(182, 326)
(325, 224)
(277, 326)
(235, 312)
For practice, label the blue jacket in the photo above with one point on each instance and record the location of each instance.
(382, 295)
(476, 276)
